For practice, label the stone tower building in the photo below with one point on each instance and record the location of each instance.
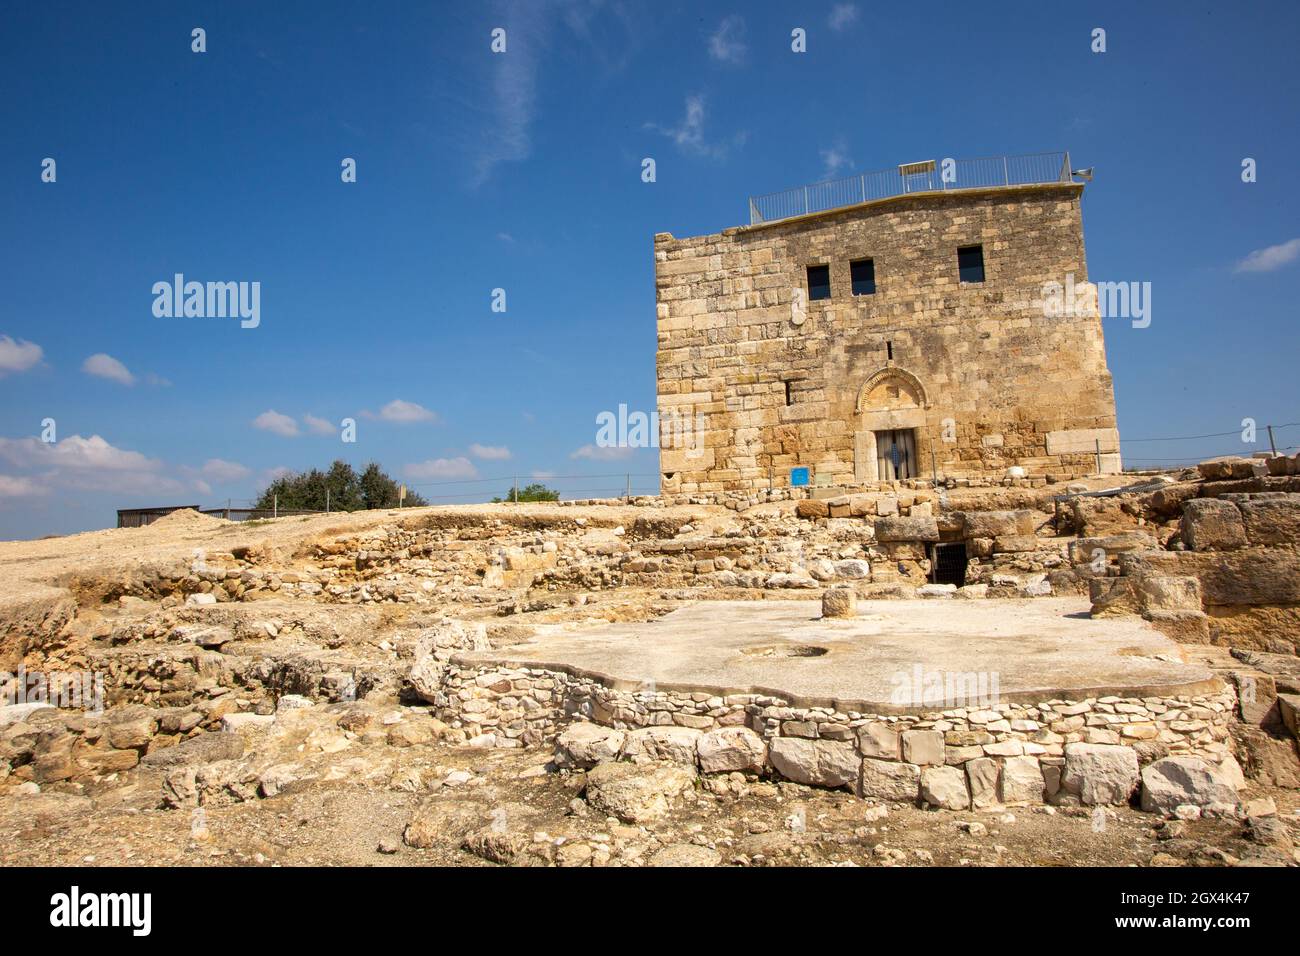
(897, 337)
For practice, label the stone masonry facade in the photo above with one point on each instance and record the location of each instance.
(979, 376)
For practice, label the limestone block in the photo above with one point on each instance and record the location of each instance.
(907, 529)
(675, 744)
(1171, 782)
(635, 793)
(982, 776)
(880, 740)
(1212, 524)
(945, 787)
(1113, 597)
(923, 747)
(885, 780)
(1021, 781)
(731, 749)
(839, 602)
(1272, 521)
(821, 763)
(1100, 773)
(1248, 576)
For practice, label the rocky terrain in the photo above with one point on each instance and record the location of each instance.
(278, 692)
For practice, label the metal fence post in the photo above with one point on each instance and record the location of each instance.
(1270, 440)
(275, 505)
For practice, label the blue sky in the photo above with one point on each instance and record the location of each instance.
(521, 171)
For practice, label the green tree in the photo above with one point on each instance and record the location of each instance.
(377, 490)
(533, 492)
(341, 488)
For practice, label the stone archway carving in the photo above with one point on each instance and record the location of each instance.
(891, 374)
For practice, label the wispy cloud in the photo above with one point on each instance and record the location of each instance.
(507, 135)
(224, 472)
(17, 356)
(276, 423)
(16, 486)
(404, 413)
(318, 426)
(1270, 257)
(727, 43)
(842, 15)
(102, 365)
(598, 453)
(447, 469)
(836, 159)
(490, 452)
(689, 133)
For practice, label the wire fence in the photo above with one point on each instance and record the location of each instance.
(1268, 438)
(628, 484)
(929, 176)
(569, 487)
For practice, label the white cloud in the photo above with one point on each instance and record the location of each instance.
(151, 379)
(1270, 257)
(90, 464)
(271, 474)
(12, 486)
(18, 356)
(542, 475)
(490, 452)
(272, 421)
(445, 468)
(224, 472)
(689, 133)
(89, 454)
(835, 159)
(318, 426)
(842, 15)
(598, 453)
(202, 487)
(404, 413)
(727, 44)
(102, 365)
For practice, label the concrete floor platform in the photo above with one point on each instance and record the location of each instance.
(1039, 649)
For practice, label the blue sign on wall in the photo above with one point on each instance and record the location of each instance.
(798, 477)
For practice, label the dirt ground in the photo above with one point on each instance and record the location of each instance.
(359, 820)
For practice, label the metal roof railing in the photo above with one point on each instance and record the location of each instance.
(923, 177)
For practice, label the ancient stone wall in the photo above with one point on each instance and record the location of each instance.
(978, 755)
(979, 372)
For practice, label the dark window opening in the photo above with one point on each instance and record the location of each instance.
(863, 273)
(889, 350)
(789, 394)
(819, 282)
(970, 263)
(948, 564)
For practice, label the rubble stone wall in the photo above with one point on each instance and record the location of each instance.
(878, 755)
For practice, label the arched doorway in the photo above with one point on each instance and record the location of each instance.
(891, 414)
